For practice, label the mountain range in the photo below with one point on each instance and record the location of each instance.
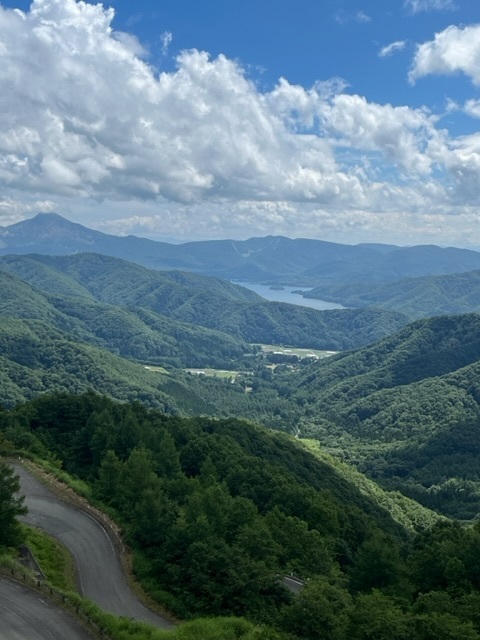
(380, 446)
(274, 259)
(70, 321)
(229, 316)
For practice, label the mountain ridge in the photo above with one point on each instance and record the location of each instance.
(212, 303)
(278, 259)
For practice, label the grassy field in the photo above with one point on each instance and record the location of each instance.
(215, 373)
(315, 354)
(294, 351)
(156, 369)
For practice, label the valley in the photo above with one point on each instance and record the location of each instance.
(235, 439)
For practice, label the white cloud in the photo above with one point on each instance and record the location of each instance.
(472, 108)
(454, 50)
(86, 116)
(86, 125)
(166, 40)
(417, 6)
(131, 43)
(342, 17)
(12, 210)
(360, 16)
(401, 134)
(391, 48)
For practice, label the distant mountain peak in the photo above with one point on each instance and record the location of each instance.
(46, 232)
(274, 259)
(42, 218)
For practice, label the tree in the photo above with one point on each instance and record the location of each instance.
(11, 506)
(375, 616)
(320, 611)
(377, 565)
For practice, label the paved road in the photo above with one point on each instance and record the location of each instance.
(24, 614)
(100, 574)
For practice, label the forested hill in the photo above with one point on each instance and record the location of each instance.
(416, 297)
(426, 348)
(198, 300)
(217, 511)
(408, 409)
(133, 333)
(36, 358)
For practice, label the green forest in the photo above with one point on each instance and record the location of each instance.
(107, 300)
(357, 473)
(420, 297)
(217, 511)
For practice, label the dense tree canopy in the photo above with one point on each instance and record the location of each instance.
(11, 506)
(219, 510)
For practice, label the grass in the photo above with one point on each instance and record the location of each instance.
(9, 560)
(215, 373)
(54, 559)
(294, 351)
(156, 369)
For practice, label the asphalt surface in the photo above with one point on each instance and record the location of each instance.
(27, 615)
(99, 570)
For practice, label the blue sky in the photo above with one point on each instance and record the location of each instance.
(348, 120)
(307, 41)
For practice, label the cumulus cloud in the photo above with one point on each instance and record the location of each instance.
(454, 50)
(12, 210)
(391, 48)
(417, 6)
(86, 116)
(472, 108)
(201, 150)
(401, 134)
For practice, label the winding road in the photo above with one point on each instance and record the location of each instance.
(99, 571)
(24, 614)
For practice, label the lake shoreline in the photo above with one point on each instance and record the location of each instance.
(289, 295)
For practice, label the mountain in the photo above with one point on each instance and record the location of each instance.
(407, 410)
(217, 510)
(416, 297)
(206, 302)
(131, 333)
(272, 258)
(36, 358)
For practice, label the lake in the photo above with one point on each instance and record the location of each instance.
(286, 295)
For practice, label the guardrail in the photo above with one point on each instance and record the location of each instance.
(96, 621)
(75, 606)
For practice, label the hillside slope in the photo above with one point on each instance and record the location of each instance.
(37, 358)
(133, 333)
(407, 409)
(207, 302)
(416, 297)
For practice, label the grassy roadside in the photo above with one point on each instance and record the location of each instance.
(77, 493)
(55, 563)
(53, 558)
(58, 567)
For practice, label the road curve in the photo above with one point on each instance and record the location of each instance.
(27, 614)
(99, 570)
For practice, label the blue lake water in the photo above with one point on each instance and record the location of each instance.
(286, 295)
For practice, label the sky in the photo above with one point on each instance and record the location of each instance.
(343, 120)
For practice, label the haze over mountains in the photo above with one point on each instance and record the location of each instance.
(88, 320)
(275, 259)
(173, 457)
